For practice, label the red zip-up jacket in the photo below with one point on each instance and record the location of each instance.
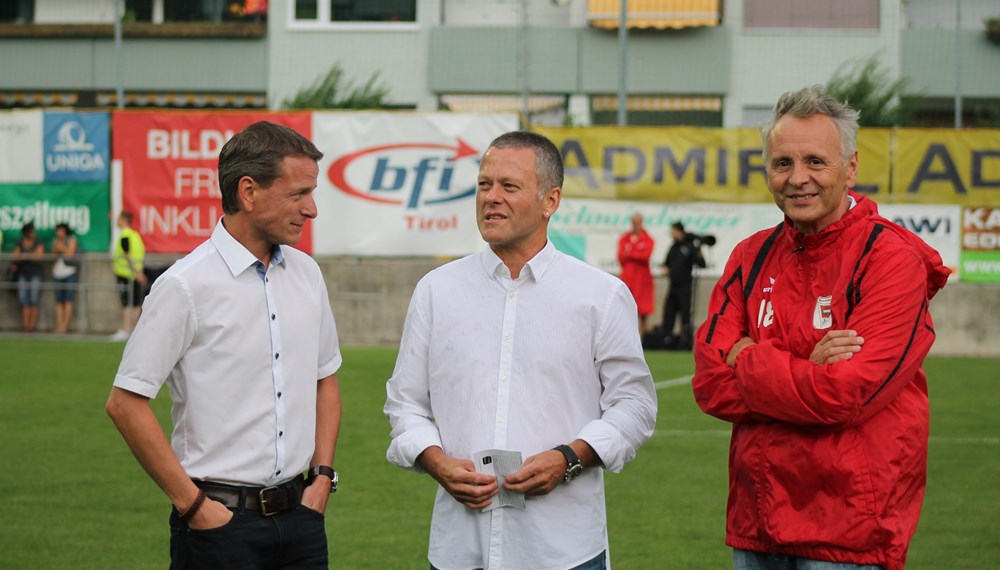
(826, 462)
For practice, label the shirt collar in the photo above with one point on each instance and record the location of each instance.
(535, 267)
(237, 257)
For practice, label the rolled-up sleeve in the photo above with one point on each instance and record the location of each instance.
(628, 400)
(408, 402)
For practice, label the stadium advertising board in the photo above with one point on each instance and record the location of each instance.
(943, 166)
(53, 169)
(688, 164)
(981, 244)
(589, 229)
(169, 171)
(21, 146)
(400, 184)
(82, 205)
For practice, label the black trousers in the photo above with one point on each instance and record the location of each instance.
(292, 539)
(678, 303)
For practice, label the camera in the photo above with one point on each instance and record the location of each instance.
(698, 241)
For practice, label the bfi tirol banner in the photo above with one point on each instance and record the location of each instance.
(400, 184)
(169, 171)
(54, 168)
(589, 229)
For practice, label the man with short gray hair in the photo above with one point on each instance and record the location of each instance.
(813, 350)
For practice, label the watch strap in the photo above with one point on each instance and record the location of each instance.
(573, 465)
(317, 470)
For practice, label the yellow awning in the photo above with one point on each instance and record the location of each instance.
(659, 14)
(657, 103)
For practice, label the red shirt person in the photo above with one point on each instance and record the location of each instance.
(634, 250)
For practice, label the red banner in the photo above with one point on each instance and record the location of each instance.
(169, 165)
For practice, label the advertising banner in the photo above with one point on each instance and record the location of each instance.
(589, 229)
(981, 244)
(169, 171)
(687, 164)
(82, 205)
(944, 166)
(400, 184)
(939, 226)
(76, 147)
(21, 146)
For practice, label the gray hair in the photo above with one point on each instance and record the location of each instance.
(257, 152)
(814, 100)
(548, 160)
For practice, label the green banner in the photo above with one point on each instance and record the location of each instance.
(82, 205)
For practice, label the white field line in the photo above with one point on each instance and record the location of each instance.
(672, 382)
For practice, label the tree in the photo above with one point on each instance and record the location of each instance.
(865, 85)
(333, 90)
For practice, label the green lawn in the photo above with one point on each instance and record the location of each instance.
(73, 496)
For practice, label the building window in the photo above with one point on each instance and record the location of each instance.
(356, 11)
(843, 14)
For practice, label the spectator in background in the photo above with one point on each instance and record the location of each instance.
(813, 350)
(634, 249)
(127, 264)
(65, 273)
(684, 255)
(28, 252)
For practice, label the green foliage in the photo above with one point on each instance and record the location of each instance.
(74, 497)
(864, 85)
(334, 90)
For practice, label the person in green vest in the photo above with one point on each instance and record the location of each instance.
(127, 265)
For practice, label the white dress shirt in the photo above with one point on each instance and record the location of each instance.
(241, 352)
(487, 362)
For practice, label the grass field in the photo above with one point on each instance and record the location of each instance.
(72, 496)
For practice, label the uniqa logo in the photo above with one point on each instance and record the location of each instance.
(408, 174)
(72, 137)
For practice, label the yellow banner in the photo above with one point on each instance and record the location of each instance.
(945, 166)
(687, 164)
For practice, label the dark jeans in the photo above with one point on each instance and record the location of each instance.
(292, 539)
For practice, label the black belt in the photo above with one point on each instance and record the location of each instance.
(269, 501)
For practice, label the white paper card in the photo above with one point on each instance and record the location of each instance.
(499, 463)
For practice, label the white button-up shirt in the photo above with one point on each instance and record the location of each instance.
(487, 362)
(241, 348)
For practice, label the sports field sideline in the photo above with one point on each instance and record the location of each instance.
(73, 496)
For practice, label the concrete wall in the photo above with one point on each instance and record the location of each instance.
(370, 297)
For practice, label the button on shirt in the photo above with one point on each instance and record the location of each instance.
(487, 362)
(241, 348)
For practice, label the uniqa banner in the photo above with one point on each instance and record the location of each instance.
(169, 171)
(400, 183)
(688, 164)
(82, 205)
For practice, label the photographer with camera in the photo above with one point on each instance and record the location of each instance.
(683, 256)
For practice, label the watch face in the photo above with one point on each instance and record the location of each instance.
(574, 471)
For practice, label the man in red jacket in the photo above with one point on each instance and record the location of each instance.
(634, 249)
(813, 350)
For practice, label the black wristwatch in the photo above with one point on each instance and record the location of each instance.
(573, 465)
(330, 472)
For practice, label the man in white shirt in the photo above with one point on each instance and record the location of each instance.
(519, 348)
(242, 333)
